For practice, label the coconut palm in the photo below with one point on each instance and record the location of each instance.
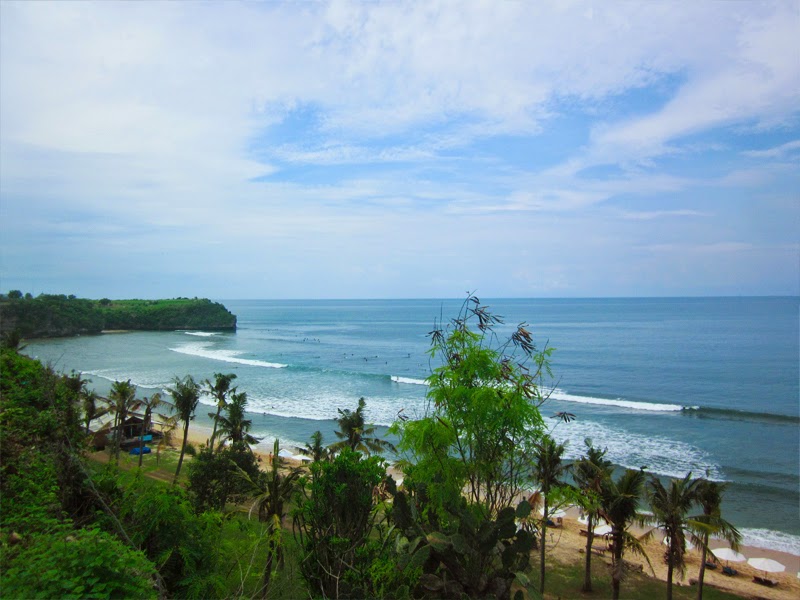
(168, 425)
(185, 396)
(589, 473)
(315, 449)
(233, 427)
(272, 491)
(619, 502)
(709, 497)
(356, 434)
(219, 390)
(91, 411)
(122, 397)
(149, 404)
(670, 506)
(548, 471)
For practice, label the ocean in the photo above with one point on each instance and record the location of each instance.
(701, 385)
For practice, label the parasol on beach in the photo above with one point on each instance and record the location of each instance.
(602, 530)
(584, 520)
(766, 564)
(728, 555)
(284, 453)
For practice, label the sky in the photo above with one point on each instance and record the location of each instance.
(400, 150)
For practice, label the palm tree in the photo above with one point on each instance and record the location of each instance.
(219, 390)
(315, 449)
(548, 471)
(272, 491)
(356, 434)
(122, 396)
(709, 497)
(168, 426)
(619, 501)
(589, 472)
(150, 404)
(185, 396)
(670, 506)
(91, 411)
(233, 426)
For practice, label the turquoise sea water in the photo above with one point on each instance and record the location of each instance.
(704, 385)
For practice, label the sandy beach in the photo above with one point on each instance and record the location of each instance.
(566, 545)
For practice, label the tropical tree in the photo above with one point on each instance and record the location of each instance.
(709, 497)
(219, 390)
(185, 396)
(482, 420)
(548, 470)
(149, 404)
(335, 524)
(589, 473)
(122, 397)
(272, 491)
(168, 426)
(91, 411)
(314, 448)
(233, 427)
(670, 506)
(618, 506)
(355, 434)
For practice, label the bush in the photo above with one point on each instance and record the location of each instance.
(214, 479)
(86, 563)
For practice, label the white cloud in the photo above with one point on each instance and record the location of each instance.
(161, 115)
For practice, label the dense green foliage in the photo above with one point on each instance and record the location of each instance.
(46, 496)
(334, 523)
(51, 315)
(214, 479)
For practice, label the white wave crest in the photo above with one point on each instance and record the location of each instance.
(411, 380)
(618, 402)
(771, 540)
(231, 356)
(201, 333)
(660, 455)
(138, 380)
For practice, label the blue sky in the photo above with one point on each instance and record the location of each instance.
(377, 150)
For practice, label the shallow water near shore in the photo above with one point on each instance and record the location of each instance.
(703, 385)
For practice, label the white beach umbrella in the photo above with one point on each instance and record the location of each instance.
(584, 520)
(728, 554)
(766, 564)
(286, 453)
(602, 530)
(302, 457)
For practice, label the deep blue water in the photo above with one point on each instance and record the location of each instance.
(705, 385)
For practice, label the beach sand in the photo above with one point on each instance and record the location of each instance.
(566, 545)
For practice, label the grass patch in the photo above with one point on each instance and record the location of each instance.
(566, 581)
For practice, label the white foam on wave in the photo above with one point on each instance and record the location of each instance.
(771, 540)
(202, 350)
(138, 380)
(660, 455)
(561, 395)
(618, 402)
(201, 333)
(323, 405)
(411, 380)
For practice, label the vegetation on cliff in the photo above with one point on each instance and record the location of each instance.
(51, 315)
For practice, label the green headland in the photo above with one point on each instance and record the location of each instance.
(58, 315)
